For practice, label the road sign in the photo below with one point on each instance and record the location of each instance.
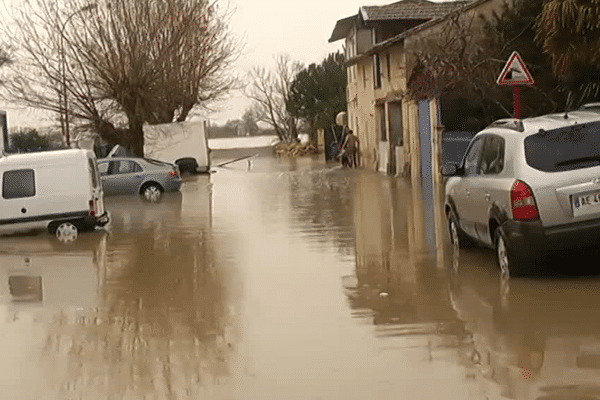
(515, 72)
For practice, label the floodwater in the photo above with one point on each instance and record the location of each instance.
(273, 279)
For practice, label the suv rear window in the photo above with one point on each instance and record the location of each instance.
(564, 149)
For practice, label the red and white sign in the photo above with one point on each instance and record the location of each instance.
(515, 72)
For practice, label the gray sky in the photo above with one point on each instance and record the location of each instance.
(269, 27)
(297, 28)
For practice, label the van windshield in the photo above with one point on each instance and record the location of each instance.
(564, 149)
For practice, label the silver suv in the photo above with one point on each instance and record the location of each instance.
(528, 188)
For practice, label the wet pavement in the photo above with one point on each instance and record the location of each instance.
(293, 279)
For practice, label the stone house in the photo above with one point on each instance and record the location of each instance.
(377, 79)
(399, 135)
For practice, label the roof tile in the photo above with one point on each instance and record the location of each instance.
(411, 9)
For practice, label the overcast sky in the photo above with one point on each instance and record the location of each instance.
(270, 27)
(300, 29)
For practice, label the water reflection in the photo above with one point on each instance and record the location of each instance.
(307, 282)
(140, 311)
(321, 206)
(396, 280)
(517, 339)
(39, 272)
(536, 338)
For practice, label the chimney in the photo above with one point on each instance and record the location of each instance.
(4, 129)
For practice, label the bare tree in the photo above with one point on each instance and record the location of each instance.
(5, 57)
(269, 91)
(112, 66)
(454, 60)
(466, 56)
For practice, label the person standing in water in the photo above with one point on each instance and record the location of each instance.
(351, 147)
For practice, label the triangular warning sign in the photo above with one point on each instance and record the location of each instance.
(515, 72)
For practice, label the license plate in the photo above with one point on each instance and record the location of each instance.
(586, 203)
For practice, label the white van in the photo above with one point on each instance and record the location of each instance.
(55, 190)
(181, 143)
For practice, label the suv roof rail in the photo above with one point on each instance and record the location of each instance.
(509, 123)
(590, 107)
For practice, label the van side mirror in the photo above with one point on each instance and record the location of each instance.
(449, 169)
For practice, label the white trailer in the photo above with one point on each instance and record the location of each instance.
(181, 143)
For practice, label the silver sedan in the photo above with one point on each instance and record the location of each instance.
(146, 177)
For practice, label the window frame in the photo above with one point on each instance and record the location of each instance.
(477, 140)
(377, 81)
(499, 150)
(31, 193)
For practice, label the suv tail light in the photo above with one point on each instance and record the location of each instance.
(173, 173)
(522, 203)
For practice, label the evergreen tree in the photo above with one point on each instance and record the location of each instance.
(318, 93)
(569, 33)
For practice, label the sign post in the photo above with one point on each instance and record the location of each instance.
(515, 74)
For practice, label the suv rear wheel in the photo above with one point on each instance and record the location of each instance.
(508, 262)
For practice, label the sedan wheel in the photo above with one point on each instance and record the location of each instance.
(152, 193)
(66, 232)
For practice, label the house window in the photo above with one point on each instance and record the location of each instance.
(352, 73)
(351, 46)
(395, 123)
(376, 71)
(389, 66)
(18, 183)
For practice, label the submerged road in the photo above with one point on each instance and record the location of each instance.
(285, 279)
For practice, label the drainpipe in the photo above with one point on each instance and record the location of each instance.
(391, 167)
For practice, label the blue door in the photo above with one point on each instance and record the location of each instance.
(426, 174)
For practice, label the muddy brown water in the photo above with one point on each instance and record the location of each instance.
(294, 279)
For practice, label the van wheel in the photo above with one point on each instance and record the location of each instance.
(152, 192)
(66, 232)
